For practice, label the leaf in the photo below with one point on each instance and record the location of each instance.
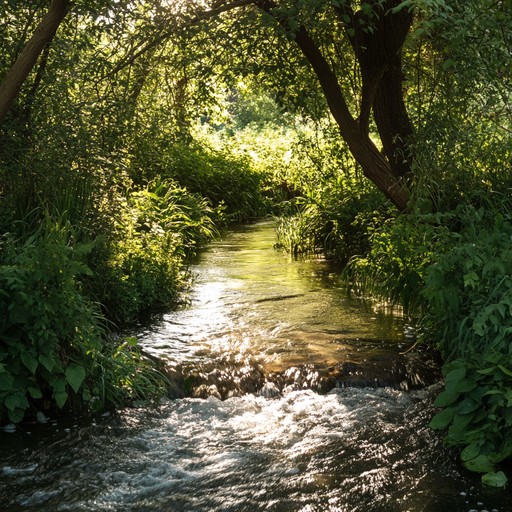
(60, 398)
(16, 415)
(498, 479)
(487, 371)
(402, 5)
(47, 361)
(446, 398)
(467, 405)
(506, 371)
(442, 419)
(480, 464)
(29, 361)
(465, 385)
(16, 401)
(75, 375)
(35, 392)
(471, 279)
(460, 423)
(58, 384)
(470, 452)
(453, 376)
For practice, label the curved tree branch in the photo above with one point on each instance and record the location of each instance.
(19, 71)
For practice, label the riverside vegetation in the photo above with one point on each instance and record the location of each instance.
(379, 132)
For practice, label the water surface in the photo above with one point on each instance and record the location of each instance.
(268, 329)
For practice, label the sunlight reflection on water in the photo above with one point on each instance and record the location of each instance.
(291, 450)
(250, 299)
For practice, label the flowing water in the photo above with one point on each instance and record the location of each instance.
(320, 409)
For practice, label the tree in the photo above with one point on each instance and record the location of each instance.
(27, 59)
(364, 55)
(376, 32)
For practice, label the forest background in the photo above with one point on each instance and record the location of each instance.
(133, 131)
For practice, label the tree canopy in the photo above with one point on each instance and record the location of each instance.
(383, 68)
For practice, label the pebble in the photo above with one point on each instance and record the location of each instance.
(269, 390)
(9, 428)
(41, 418)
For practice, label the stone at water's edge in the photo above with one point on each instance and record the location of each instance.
(413, 370)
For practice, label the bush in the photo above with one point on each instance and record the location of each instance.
(336, 217)
(229, 183)
(139, 268)
(402, 249)
(48, 327)
(54, 350)
(468, 291)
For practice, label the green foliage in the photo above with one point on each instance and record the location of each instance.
(140, 268)
(48, 327)
(122, 374)
(477, 412)
(468, 294)
(53, 348)
(230, 183)
(402, 250)
(297, 234)
(468, 288)
(328, 206)
(459, 100)
(453, 271)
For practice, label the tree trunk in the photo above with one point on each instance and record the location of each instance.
(378, 52)
(374, 165)
(381, 84)
(44, 33)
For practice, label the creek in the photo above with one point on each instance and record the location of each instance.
(289, 396)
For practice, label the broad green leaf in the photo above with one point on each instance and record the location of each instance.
(75, 375)
(35, 393)
(470, 452)
(480, 464)
(16, 400)
(465, 385)
(47, 361)
(442, 419)
(467, 405)
(16, 415)
(460, 422)
(60, 398)
(454, 376)
(446, 398)
(498, 479)
(29, 361)
(58, 384)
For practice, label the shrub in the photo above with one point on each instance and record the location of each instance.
(54, 350)
(229, 183)
(49, 329)
(468, 290)
(402, 249)
(139, 268)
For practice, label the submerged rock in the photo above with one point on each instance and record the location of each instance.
(269, 390)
